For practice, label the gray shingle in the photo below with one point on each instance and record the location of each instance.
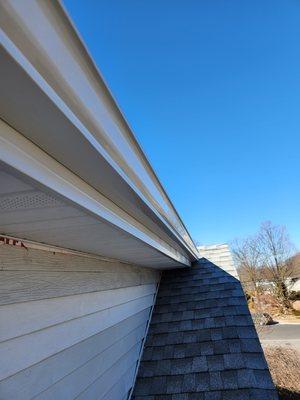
(216, 312)
(156, 317)
(193, 349)
(234, 345)
(144, 398)
(202, 382)
(159, 385)
(202, 344)
(147, 369)
(221, 347)
(208, 323)
(167, 317)
(242, 310)
(230, 332)
(174, 383)
(263, 379)
(159, 339)
(175, 326)
(215, 380)
(229, 379)
(185, 325)
(203, 335)
(243, 320)
(143, 386)
(181, 366)
(199, 364)
(179, 351)
(199, 324)
(261, 394)
(215, 363)
(162, 327)
(213, 395)
(147, 354)
(174, 338)
(163, 367)
(234, 361)
(196, 396)
(177, 315)
(189, 383)
(168, 352)
(248, 332)
(237, 301)
(255, 361)
(188, 315)
(190, 337)
(207, 348)
(219, 322)
(250, 345)
(216, 334)
(180, 396)
(246, 378)
(240, 394)
(231, 310)
(158, 353)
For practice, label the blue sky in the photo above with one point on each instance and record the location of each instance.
(211, 89)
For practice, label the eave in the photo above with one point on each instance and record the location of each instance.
(54, 96)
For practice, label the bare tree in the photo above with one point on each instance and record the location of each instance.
(247, 257)
(276, 249)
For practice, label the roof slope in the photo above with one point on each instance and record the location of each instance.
(201, 342)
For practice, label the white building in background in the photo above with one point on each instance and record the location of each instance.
(220, 255)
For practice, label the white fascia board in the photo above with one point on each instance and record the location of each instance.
(22, 155)
(75, 86)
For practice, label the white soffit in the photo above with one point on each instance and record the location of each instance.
(54, 95)
(41, 200)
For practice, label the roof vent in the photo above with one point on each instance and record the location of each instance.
(27, 200)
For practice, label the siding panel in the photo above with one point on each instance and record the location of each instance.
(44, 343)
(107, 381)
(70, 333)
(31, 274)
(20, 286)
(23, 318)
(122, 386)
(20, 259)
(76, 382)
(39, 377)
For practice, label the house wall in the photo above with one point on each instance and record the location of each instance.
(294, 285)
(70, 326)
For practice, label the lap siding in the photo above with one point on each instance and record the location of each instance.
(68, 321)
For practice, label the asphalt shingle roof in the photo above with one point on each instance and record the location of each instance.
(201, 342)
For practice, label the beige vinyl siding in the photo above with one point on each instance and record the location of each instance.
(72, 337)
(34, 274)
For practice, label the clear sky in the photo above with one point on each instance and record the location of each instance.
(211, 89)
